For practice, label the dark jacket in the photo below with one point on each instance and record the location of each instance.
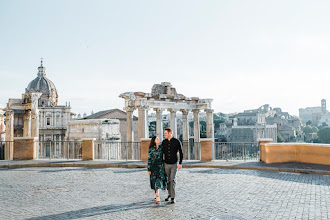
(170, 150)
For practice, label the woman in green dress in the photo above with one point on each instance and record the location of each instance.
(156, 169)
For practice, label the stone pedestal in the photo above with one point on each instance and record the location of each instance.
(145, 142)
(206, 149)
(262, 141)
(26, 148)
(88, 148)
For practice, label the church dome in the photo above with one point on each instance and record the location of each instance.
(43, 85)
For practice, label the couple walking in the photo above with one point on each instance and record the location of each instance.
(163, 164)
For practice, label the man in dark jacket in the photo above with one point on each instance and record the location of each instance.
(171, 147)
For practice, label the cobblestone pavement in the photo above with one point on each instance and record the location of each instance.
(121, 193)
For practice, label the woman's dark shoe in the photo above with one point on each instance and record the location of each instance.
(172, 200)
(168, 198)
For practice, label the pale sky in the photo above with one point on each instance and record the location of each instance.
(242, 54)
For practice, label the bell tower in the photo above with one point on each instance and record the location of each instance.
(324, 106)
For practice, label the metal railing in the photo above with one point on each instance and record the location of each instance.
(191, 150)
(59, 149)
(112, 150)
(236, 151)
(6, 146)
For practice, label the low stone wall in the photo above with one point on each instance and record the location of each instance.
(206, 149)
(88, 148)
(25, 148)
(145, 142)
(295, 152)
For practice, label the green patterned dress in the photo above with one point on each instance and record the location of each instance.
(156, 167)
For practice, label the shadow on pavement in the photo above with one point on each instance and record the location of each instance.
(98, 211)
(324, 180)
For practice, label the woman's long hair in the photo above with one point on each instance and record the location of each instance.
(152, 142)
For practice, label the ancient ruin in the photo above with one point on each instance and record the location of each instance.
(165, 97)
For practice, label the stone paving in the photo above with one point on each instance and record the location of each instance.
(123, 193)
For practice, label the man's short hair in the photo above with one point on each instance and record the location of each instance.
(169, 130)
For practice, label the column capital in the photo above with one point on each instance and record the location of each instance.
(171, 110)
(158, 110)
(143, 108)
(196, 111)
(9, 112)
(209, 110)
(129, 109)
(184, 111)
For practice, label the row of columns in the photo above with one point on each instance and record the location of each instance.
(143, 131)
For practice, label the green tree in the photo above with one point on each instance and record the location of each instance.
(280, 139)
(308, 129)
(298, 132)
(203, 129)
(324, 135)
(152, 126)
(309, 122)
(217, 122)
(323, 125)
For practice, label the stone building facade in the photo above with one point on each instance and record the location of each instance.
(37, 113)
(53, 118)
(121, 116)
(251, 125)
(313, 114)
(100, 129)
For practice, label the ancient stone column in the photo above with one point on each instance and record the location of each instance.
(27, 124)
(143, 131)
(2, 125)
(185, 135)
(196, 134)
(35, 114)
(173, 122)
(35, 123)
(209, 123)
(129, 124)
(210, 129)
(159, 123)
(129, 132)
(9, 150)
